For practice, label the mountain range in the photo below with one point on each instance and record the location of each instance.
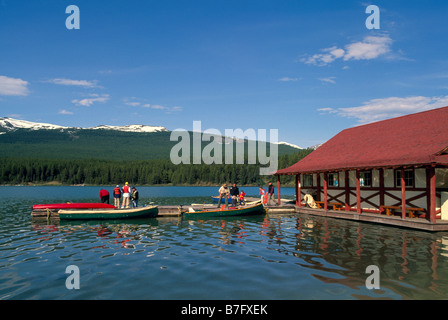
(10, 124)
(26, 139)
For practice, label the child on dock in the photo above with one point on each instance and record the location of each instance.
(262, 192)
(241, 198)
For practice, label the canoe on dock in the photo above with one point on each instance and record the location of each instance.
(104, 214)
(257, 208)
(52, 209)
(69, 205)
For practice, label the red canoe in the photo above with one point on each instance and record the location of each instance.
(57, 206)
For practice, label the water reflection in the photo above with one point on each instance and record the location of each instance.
(412, 264)
(336, 253)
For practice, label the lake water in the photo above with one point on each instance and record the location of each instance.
(267, 257)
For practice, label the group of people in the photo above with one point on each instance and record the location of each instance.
(225, 193)
(234, 193)
(266, 198)
(127, 192)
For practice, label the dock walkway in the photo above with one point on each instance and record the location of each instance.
(288, 206)
(396, 221)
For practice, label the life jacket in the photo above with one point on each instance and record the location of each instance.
(117, 191)
(126, 189)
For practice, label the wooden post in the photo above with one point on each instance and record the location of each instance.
(403, 195)
(432, 194)
(347, 191)
(325, 191)
(381, 173)
(358, 193)
(298, 191)
(318, 186)
(278, 191)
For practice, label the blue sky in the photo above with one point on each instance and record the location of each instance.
(307, 68)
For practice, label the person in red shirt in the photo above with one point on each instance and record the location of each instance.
(262, 195)
(241, 196)
(117, 196)
(126, 195)
(104, 196)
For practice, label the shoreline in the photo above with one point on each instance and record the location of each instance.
(58, 184)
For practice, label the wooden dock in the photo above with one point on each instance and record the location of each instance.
(383, 219)
(288, 206)
(170, 211)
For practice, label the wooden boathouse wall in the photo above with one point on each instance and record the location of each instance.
(383, 189)
(400, 162)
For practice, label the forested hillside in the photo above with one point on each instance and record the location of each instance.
(139, 172)
(99, 157)
(98, 144)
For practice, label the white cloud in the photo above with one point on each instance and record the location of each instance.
(137, 102)
(164, 108)
(370, 48)
(328, 80)
(70, 82)
(63, 111)
(133, 104)
(13, 86)
(287, 79)
(329, 110)
(87, 102)
(380, 109)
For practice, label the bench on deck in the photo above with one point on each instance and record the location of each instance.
(336, 205)
(390, 210)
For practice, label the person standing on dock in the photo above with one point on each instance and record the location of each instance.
(241, 198)
(104, 196)
(234, 192)
(224, 193)
(117, 196)
(126, 195)
(134, 197)
(270, 194)
(262, 192)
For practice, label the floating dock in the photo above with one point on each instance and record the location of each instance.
(289, 206)
(383, 219)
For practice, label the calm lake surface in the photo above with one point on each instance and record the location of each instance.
(269, 257)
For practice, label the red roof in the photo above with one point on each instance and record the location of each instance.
(416, 139)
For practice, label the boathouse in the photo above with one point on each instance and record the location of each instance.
(396, 167)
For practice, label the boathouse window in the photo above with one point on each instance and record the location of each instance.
(365, 178)
(408, 178)
(307, 180)
(333, 179)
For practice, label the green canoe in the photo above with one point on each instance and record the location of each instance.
(141, 212)
(230, 212)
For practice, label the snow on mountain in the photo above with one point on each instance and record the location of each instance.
(289, 144)
(316, 146)
(132, 128)
(12, 124)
